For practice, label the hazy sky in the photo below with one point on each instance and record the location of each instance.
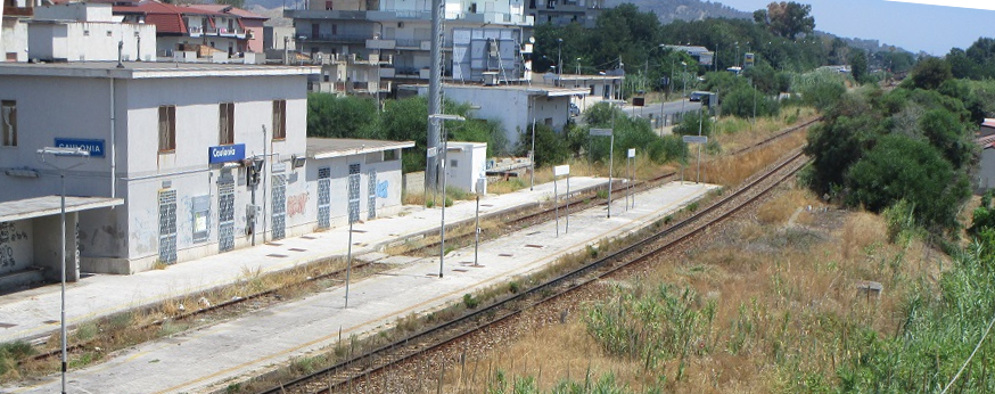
(931, 28)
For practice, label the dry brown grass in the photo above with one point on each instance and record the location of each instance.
(794, 286)
(733, 170)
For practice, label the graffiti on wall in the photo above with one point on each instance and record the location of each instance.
(8, 235)
(297, 204)
(382, 187)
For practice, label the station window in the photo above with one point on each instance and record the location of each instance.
(167, 128)
(279, 119)
(8, 122)
(390, 155)
(226, 121)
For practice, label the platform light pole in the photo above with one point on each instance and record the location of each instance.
(442, 173)
(58, 152)
(684, 90)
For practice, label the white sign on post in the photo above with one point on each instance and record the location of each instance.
(561, 170)
(601, 132)
(431, 152)
(632, 152)
(696, 139)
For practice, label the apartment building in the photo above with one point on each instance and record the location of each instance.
(400, 30)
(198, 32)
(564, 12)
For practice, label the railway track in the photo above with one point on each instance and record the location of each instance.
(581, 201)
(338, 377)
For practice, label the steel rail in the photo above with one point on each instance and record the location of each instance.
(615, 261)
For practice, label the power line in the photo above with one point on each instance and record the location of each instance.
(968, 361)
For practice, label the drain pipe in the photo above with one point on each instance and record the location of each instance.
(113, 151)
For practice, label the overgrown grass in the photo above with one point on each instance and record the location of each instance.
(764, 308)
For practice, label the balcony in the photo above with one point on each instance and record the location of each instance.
(231, 33)
(18, 11)
(339, 38)
(195, 31)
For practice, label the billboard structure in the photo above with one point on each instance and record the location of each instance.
(477, 51)
(749, 59)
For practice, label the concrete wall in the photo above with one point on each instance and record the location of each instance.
(13, 39)
(511, 107)
(986, 170)
(16, 250)
(387, 171)
(470, 160)
(47, 242)
(77, 41)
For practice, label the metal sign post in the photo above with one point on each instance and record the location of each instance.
(695, 139)
(611, 160)
(348, 269)
(442, 173)
(559, 171)
(632, 157)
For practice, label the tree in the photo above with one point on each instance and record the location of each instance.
(551, 148)
(330, 116)
(930, 73)
(900, 168)
(858, 66)
(788, 19)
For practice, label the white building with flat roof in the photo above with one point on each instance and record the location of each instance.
(87, 32)
(177, 142)
(516, 107)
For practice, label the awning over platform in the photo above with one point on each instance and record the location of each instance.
(50, 205)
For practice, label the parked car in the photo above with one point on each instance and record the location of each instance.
(574, 110)
(697, 95)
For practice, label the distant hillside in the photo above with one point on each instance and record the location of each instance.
(688, 10)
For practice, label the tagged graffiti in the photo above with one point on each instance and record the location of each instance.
(8, 235)
(296, 204)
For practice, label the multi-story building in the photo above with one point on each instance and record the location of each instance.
(564, 12)
(83, 31)
(206, 157)
(477, 33)
(13, 30)
(197, 32)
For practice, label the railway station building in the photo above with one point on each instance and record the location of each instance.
(206, 158)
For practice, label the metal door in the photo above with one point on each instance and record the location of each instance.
(226, 212)
(324, 197)
(167, 226)
(279, 206)
(354, 193)
(371, 204)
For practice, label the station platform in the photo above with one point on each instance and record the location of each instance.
(209, 358)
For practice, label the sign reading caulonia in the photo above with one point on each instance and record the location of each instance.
(225, 153)
(95, 147)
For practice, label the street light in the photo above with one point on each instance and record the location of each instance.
(60, 152)
(684, 90)
(442, 173)
(578, 66)
(559, 57)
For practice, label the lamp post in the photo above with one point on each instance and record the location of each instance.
(442, 174)
(57, 152)
(559, 56)
(578, 66)
(684, 90)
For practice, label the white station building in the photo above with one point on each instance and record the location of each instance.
(205, 157)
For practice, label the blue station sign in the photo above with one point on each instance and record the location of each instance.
(95, 147)
(225, 153)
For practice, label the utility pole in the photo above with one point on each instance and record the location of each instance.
(435, 99)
